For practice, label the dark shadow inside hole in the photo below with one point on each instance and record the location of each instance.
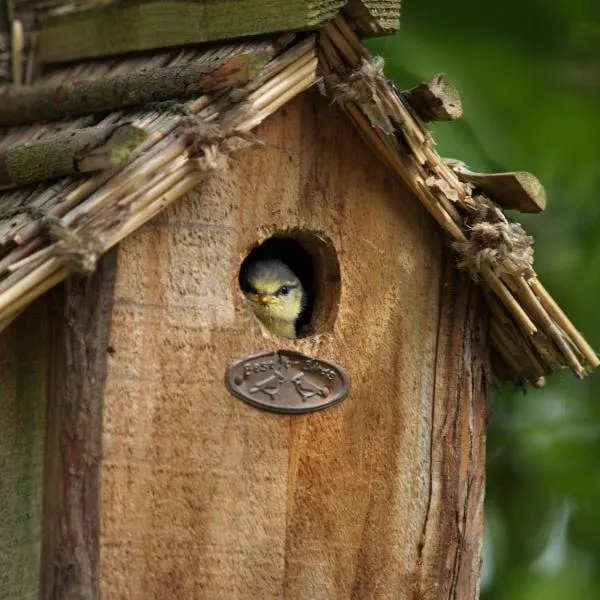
(314, 261)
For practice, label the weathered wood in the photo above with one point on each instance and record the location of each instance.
(106, 30)
(88, 31)
(79, 346)
(202, 494)
(23, 360)
(44, 102)
(374, 17)
(452, 535)
(517, 190)
(68, 152)
(435, 100)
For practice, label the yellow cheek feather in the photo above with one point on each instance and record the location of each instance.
(278, 313)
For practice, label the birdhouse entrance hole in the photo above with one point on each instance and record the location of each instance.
(312, 258)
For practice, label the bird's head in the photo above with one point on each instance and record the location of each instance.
(275, 294)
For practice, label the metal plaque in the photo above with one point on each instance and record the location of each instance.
(287, 381)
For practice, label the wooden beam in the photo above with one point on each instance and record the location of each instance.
(137, 25)
(80, 329)
(44, 102)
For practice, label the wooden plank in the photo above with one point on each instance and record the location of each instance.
(517, 190)
(23, 356)
(204, 494)
(451, 554)
(137, 25)
(79, 341)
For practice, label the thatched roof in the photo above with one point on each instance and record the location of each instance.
(116, 166)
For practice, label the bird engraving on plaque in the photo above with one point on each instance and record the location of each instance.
(287, 381)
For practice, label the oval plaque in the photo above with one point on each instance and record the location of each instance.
(287, 381)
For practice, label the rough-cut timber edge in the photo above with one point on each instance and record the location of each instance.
(452, 538)
(30, 104)
(375, 17)
(69, 152)
(80, 327)
(435, 100)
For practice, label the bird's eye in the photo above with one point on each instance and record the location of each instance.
(283, 290)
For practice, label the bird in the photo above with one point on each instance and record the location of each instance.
(275, 293)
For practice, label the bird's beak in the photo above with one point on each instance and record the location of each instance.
(264, 299)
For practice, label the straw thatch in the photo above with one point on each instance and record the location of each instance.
(50, 230)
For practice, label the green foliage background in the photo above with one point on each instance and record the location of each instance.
(529, 76)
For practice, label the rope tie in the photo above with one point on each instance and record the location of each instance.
(494, 241)
(211, 146)
(362, 86)
(81, 249)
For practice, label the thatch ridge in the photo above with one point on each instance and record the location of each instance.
(531, 336)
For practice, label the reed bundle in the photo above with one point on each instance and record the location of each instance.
(531, 336)
(50, 231)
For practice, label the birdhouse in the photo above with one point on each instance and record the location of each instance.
(250, 316)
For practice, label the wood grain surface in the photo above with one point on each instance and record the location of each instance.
(451, 545)
(81, 310)
(203, 496)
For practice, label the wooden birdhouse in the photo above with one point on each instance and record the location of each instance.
(157, 438)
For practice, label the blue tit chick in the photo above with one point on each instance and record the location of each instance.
(276, 295)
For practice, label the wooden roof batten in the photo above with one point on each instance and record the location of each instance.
(218, 96)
